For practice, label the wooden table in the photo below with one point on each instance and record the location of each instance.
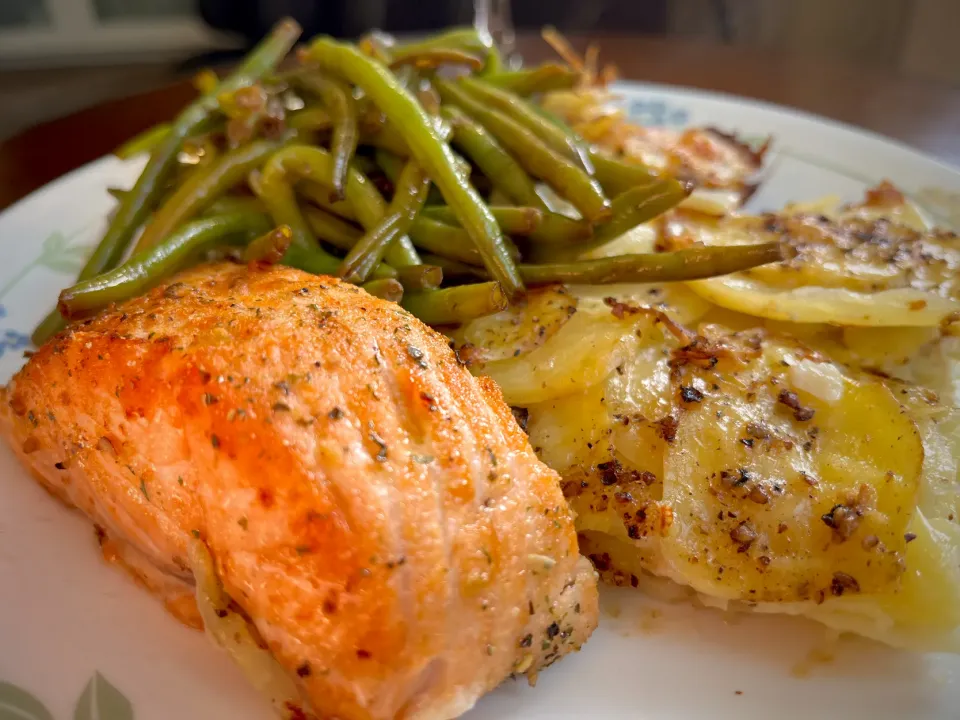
(922, 113)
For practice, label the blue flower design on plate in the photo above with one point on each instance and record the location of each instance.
(657, 113)
(12, 340)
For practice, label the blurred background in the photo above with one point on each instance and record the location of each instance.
(57, 56)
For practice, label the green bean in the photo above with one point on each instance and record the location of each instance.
(269, 248)
(540, 226)
(442, 239)
(615, 176)
(317, 262)
(369, 249)
(533, 154)
(302, 161)
(408, 197)
(452, 305)
(311, 118)
(338, 101)
(557, 229)
(512, 220)
(386, 288)
(330, 228)
(386, 137)
(427, 147)
(150, 267)
(276, 192)
(137, 205)
(235, 203)
(689, 264)
(48, 327)
(435, 57)
(494, 63)
(618, 176)
(450, 241)
(164, 157)
(391, 164)
(320, 195)
(540, 79)
(143, 142)
(454, 269)
(203, 187)
(497, 164)
(464, 38)
(566, 143)
(638, 205)
(420, 277)
(312, 260)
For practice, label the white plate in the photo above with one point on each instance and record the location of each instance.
(79, 640)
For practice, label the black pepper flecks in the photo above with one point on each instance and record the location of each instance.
(792, 401)
(667, 428)
(744, 536)
(690, 394)
(842, 582)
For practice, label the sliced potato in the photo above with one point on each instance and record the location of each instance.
(729, 453)
(582, 353)
(675, 299)
(870, 264)
(521, 328)
(572, 431)
(904, 307)
(780, 494)
(589, 346)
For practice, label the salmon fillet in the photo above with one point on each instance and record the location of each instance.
(372, 508)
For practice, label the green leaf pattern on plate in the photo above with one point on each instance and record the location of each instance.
(17, 704)
(100, 701)
(57, 255)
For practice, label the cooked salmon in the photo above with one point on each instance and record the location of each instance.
(373, 509)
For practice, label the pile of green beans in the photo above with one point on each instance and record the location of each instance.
(425, 172)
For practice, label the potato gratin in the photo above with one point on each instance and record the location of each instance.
(772, 466)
